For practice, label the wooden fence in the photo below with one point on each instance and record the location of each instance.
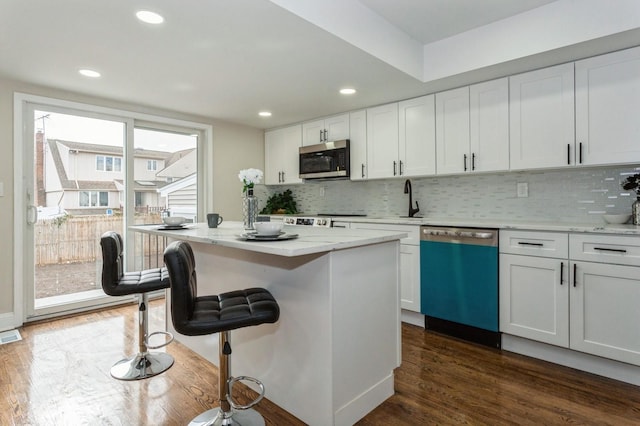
(73, 239)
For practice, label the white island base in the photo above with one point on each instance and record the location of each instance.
(330, 358)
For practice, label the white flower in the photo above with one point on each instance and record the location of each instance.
(249, 177)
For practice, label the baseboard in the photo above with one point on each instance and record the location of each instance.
(413, 318)
(364, 403)
(8, 321)
(580, 361)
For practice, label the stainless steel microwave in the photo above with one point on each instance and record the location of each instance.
(329, 160)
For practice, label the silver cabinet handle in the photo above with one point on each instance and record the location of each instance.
(362, 169)
(320, 135)
(394, 168)
(465, 162)
(326, 136)
(401, 171)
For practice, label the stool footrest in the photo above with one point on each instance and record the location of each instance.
(233, 403)
(166, 333)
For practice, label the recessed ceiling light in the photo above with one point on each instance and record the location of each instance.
(89, 73)
(347, 91)
(149, 17)
(264, 114)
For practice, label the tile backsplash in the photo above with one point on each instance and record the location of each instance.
(579, 195)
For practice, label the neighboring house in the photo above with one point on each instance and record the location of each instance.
(181, 197)
(84, 178)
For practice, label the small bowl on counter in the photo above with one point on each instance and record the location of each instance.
(617, 219)
(269, 228)
(174, 220)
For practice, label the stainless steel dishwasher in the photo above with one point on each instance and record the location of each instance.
(459, 282)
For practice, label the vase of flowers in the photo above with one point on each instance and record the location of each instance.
(249, 177)
(633, 183)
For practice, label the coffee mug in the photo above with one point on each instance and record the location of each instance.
(214, 219)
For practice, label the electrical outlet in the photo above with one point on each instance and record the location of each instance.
(522, 189)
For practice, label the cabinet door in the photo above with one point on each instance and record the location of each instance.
(410, 277)
(417, 136)
(607, 105)
(489, 125)
(382, 141)
(358, 144)
(291, 142)
(273, 157)
(452, 131)
(313, 132)
(534, 298)
(604, 311)
(337, 127)
(281, 155)
(542, 118)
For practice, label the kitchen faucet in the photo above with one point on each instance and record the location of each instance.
(407, 190)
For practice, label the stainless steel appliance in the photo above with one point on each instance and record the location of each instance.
(459, 282)
(329, 160)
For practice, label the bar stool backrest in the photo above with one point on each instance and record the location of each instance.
(112, 262)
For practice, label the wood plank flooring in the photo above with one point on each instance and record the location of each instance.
(59, 375)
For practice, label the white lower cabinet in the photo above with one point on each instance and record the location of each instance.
(533, 302)
(409, 262)
(557, 297)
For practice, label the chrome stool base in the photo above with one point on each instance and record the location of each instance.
(141, 366)
(216, 417)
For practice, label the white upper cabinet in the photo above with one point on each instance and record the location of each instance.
(281, 155)
(452, 131)
(326, 130)
(382, 141)
(541, 108)
(607, 106)
(489, 125)
(417, 137)
(472, 128)
(358, 144)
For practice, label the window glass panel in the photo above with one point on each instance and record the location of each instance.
(109, 164)
(104, 198)
(117, 164)
(84, 199)
(100, 162)
(94, 198)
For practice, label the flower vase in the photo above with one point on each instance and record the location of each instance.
(249, 209)
(635, 212)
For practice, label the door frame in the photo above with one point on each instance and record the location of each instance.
(21, 137)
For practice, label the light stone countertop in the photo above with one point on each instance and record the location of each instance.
(504, 224)
(310, 239)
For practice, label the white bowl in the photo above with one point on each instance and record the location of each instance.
(268, 228)
(174, 220)
(616, 218)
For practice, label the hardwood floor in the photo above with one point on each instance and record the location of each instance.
(59, 375)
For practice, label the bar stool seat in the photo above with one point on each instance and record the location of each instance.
(195, 316)
(116, 282)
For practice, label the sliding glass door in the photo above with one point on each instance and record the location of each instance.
(88, 172)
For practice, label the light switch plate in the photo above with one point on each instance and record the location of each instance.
(1, 189)
(522, 189)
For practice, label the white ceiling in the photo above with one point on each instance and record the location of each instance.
(227, 59)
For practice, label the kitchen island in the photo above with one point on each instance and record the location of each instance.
(330, 358)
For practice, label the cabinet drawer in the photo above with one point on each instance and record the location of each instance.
(533, 243)
(615, 249)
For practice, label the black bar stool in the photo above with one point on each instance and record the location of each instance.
(196, 316)
(116, 282)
